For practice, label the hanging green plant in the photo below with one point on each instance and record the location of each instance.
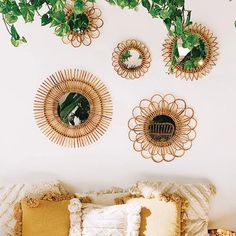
(52, 13)
(72, 27)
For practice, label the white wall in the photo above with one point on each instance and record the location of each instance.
(26, 154)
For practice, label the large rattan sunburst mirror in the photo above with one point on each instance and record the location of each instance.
(162, 128)
(131, 59)
(205, 54)
(73, 108)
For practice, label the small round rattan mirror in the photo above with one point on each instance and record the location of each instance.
(131, 59)
(187, 61)
(84, 27)
(73, 108)
(162, 128)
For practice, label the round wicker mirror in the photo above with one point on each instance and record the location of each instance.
(73, 108)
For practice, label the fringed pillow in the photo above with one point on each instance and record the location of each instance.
(13, 193)
(197, 195)
(47, 215)
(162, 215)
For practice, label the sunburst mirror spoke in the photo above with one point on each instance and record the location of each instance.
(162, 128)
(73, 108)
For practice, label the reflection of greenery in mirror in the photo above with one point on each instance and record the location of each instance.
(73, 108)
(78, 23)
(189, 52)
(131, 59)
(161, 128)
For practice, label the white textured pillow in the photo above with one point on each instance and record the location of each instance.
(117, 220)
(198, 196)
(11, 194)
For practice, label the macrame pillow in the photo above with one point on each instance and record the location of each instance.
(197, 195)
(117, 220)
(11, 194)
(163, 215)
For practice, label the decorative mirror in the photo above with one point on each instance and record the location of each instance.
(131, 59)
(87, 25)
(73, 108)
(187, 61)
(162, 128)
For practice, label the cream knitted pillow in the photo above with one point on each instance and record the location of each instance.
(197, 195)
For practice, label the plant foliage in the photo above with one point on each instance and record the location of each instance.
(172, 12)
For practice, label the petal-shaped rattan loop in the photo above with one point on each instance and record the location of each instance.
(179, 141)
(133, 72)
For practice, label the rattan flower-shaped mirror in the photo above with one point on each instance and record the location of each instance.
(162, 128)
(87, 25)
(131, 59)
(195, 62)
(73, 108)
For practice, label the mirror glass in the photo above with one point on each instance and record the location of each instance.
(192, 52)
(78, 22)
(161, 128)
(73, 108)
(131, 59)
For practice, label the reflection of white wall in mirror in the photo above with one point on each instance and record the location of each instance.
(132, 59)
(182, 51)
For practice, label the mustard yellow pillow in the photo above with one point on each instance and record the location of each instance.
(160, 216)
(46, 218)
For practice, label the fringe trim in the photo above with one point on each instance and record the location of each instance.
(105, 191)
(18, 218)
(34, 203)
(174, 197)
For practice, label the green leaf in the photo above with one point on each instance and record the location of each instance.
(58, 18)
(79, 7)
(37, 3)
(45, 19)
(63, 30)
(23, 39)
(14, 33)
(146, 4)
(15, 42)
(15, 9)
(164, 14)
(59, 5)
(11, 18)
(133, 3)
(175, 54)
(52, 2)
(112, 2)
(179, 26)
(155, 11)
(5, 7)
(190, 41)
(189, 65)
(27, 11)
(235, 24)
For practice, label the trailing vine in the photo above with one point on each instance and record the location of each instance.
(52, 12)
